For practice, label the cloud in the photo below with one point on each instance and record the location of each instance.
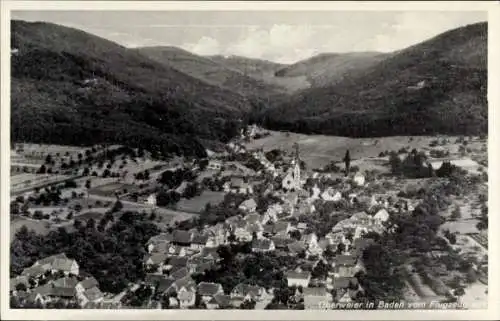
(206, 46)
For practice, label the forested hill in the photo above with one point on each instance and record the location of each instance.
(71, 87)
(437, 86)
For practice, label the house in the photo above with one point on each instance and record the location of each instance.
(182, 238)
(296, 278)
(158, 240)
(92, 294)
(214, 165)
(151, 200)
(316, 298)
(310, 239)
(253, 218)
(359, 179)
(301, 226)
(186, 283)
(344, 265)
(330, 195)
(186, 298)
(282, 227)
(361, 218)
(382, 215)
(155, 261)
(223, 301)
(248, 206)
(296, 247)
(248, 292)
(272, 212)
(199, 241)
(255, 229)
(281, 242)
(86, 284)
(55, 263)
(316, 192)
(263, 245)
(159, 282)
(208, 290)
(242, 234)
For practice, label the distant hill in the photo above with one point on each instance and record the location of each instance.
(265, 71)
(330, 68)
(215, 72)
(71, 87)
(437, 86)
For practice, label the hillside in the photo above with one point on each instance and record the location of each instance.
(264, 70)
(213, 72)
(71, 87)
(331, 68)
(437, 86)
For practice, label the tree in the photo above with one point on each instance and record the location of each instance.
(48, 159)
(118, 206)
(456, 214)
(347, 162)
(42, 169)
(87, 184)
(248, 305)
(69, 216)
(21, 287)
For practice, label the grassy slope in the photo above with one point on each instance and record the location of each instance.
(135, 100)
(265, 71)
(381, 102)
(210, 71)
(331, 68)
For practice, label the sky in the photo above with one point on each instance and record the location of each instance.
(279, 36)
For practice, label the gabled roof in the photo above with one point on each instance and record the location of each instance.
(35, 270)
(320, 291)
(62, 292)
(296, 247)
(208, 288)
(245, 289)
(89, 283)
(345, 260)
(178, 261)
(163, 282)
(187, 295)
(281, 242)
(254, 228)
(223, 300)
(62, 264)
(186, 282)
(298, 275)
(199, 238)
(263, 244)
(179, 273)
(161, 238)
(180, 236)
(66, 282)
(280, 226)
(252, 218)
(344, 282)
(360, 216)
(50, 259)
(156, 258)
(93, 294)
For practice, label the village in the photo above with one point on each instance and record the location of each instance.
(253, 228)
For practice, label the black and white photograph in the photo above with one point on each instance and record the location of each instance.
(325, 160)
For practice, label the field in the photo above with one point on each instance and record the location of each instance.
(109, 190)
(319, 150)
(198, 203)
(40, 227)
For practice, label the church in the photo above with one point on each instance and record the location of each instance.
(292, 180)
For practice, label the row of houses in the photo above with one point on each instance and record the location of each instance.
(55, 278)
